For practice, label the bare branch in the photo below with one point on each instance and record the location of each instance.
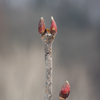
(47, 37)
(48, 40)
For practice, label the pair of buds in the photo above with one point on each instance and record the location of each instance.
(42, 30)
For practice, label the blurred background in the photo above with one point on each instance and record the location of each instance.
(76, 49)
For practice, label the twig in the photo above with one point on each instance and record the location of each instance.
(48, 40)
(47, 37)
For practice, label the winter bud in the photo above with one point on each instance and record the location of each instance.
(53, 27)
(65, 91)
(41, 26)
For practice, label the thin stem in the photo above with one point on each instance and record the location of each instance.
(48, 40)
(48, 68)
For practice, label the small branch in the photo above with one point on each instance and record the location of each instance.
(47, 37)
(48, 40)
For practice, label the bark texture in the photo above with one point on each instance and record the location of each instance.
(48, 40)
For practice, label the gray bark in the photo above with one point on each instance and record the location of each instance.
(48, 40)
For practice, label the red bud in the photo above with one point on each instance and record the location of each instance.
(53, 27)
(65, 91)
(41, 26)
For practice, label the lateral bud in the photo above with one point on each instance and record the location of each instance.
(41, 26)
(53, 27)
(65, 91)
